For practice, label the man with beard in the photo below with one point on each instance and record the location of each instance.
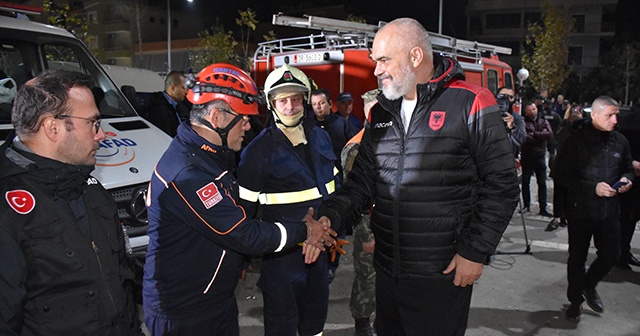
(63, 261)
(436, 161)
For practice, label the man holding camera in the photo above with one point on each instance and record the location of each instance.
(515, 124)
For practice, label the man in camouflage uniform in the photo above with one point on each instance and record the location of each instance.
(363, 296)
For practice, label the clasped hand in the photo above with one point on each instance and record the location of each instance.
(319, 235)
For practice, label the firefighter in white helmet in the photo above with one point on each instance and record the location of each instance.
(286, 169)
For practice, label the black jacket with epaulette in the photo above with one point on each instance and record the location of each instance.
(62, 271)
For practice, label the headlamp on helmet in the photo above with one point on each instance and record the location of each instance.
(221, 81)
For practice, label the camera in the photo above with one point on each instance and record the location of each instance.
(503, 104)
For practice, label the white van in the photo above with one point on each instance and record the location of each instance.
(133, 146)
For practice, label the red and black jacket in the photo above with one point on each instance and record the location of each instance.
(447, 186)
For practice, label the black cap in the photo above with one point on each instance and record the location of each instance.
(345, 96)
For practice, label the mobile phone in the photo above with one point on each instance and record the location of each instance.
(619, 184)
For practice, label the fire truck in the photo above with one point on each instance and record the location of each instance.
(337, 58)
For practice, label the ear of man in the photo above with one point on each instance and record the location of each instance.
(52, 128)
(416, 55)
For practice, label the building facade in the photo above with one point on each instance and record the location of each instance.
(118, 28)
(505, 22)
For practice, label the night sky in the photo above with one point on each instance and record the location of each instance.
(425, 11)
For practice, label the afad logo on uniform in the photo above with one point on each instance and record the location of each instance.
(21, 201)
(209, 195)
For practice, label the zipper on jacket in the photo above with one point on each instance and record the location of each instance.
(97, 252)
(396, 204)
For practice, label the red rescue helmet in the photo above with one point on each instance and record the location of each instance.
(221, 81)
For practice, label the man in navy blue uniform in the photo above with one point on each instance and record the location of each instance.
(286, 169)
(345, 107)
(197, 230)
(340, 131)
(338, 128)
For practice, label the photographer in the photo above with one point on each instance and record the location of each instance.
(513, 121)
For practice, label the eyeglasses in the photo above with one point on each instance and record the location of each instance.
(94, 122)
(236, 115)
(504, 95)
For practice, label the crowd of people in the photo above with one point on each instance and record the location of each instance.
(427, 183)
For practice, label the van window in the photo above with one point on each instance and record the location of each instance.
(492, 80)
(23, 58)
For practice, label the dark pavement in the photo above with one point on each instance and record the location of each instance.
(518, 294)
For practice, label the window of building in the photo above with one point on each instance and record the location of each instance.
(92, 17)
(503, 21)
(578, 23)
(575, 56)
(174, 23)
(475, 26)
(162, 21)
(608, 18)
(152, 19)
(531, 18)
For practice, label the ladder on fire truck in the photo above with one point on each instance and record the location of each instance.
(341, 34)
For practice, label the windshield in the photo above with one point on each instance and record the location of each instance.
(24, 55)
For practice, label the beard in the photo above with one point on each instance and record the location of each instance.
(399, 86)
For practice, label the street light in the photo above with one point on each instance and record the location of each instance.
(169, 34)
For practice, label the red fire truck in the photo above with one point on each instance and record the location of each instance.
(338, 58)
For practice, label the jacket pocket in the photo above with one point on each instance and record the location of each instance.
(49, 255)
(72, 312)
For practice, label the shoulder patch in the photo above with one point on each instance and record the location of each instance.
(209, 195)
(21, 201)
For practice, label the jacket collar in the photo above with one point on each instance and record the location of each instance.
(445, 70)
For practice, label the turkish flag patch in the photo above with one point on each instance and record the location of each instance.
(209, 195)
(21, 201)
(436, 120)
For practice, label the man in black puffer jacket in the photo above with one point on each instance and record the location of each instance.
(589, 164)
(437, 163)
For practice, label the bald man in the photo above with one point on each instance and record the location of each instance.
(436, 161)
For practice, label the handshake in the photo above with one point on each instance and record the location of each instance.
(319, 235)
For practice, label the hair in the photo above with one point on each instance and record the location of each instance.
(201, 111)
(504, 88)
(321, 92)
(173, 78)
(45, 94)
(413, 34)
(603, 101)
